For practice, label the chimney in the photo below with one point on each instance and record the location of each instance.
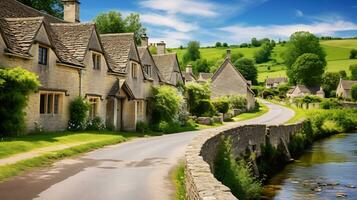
(161, 47)
(228, 56)
(189, 69)
(144, 40)
(71, 11)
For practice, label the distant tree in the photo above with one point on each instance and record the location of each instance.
(353, 69)
(263, 54)
(218, 44)
(354, 92)
(181, 47)
(308, 69)
(113, 22)
(299, 44)
(225, 45)
(193, 52)
(330, 81)
(273, 43)
(200, 65)
(342, 74)
(234, 56)
(353, 54)
(247, 68)
(51, 7)
(255, 42)
(243, 45)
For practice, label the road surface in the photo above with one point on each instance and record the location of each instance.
(135, 170)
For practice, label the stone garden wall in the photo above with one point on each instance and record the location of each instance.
(201, 153)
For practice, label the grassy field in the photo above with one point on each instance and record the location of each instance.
(337, 52)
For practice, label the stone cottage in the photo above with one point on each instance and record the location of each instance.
(302, 90)
(72, 59)
(275, 82)
(188, 75)
(227, 80)
(344, 88)
(204, 77)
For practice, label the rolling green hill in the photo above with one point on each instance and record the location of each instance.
(337, 51)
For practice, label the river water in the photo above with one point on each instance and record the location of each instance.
(326, 171)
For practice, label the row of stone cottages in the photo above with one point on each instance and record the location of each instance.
(110, 70)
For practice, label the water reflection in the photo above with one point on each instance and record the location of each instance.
(326, 171)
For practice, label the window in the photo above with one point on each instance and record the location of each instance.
(147, 69)
(42, 55)
(96, 60)
(93, 110)
(50, 103)
(134, 70)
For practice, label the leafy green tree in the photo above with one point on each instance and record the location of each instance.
(113, 22)
(255, 42)
(354, 92)
(16, 84)
(195, 93)
(193, 52)
(330, 81)
(225, 44)
(218, 44)
(200, 65)
(221, 104)
(299, 44)
(263, 54)
(51, 7)
(308, 69)
(342, 74)
(353, 54)
(353, 69)
(247, 68)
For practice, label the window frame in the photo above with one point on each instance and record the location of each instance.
(134, 70)
(43, 54)
(96, 60)
(50, 103)
(94, 103)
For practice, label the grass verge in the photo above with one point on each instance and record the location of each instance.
(253, 114)
(178, 178)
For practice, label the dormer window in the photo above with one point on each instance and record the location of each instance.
(147, 69)
(134, 70)
(96, 61)
(42, 55)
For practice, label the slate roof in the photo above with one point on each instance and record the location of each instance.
(19, 33)
(204, 76)
(166, 64)
(74, 37)
(271, 81)
(347, 84)
(306, 89)
(117, 48)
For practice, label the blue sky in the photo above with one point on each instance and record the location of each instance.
(233, 21)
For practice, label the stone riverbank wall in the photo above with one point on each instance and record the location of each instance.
(201, 153)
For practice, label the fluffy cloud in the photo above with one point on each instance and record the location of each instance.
(244, 33)
(172, 38)
(170, 21)
(188, 7)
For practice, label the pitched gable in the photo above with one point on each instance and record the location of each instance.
(147, 59)
(167, 65)
(94, 43)
(42, 36)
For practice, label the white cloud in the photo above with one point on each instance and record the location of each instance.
(245, 33)
(171, 38)
(299, 13)
(188, 7)
(170, 21)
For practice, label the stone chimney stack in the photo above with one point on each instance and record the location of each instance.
(189, 69)
(71, 11)
(144, 40)
(229, 54)
(161, 47)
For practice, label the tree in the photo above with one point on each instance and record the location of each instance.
(247, 68)
(225, 45)
(308, 69)
(353, 69)
(353, 54)
(299, 44)
(330, 81)
(195, 93)
(263, 54)
(113, 22)
(255, 42)
(193, 52)
(342, 74)
(218, 44)
(221, 104)
(51, 7)
(200, 65)
(354, 92)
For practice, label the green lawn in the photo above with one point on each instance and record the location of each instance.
(250, 115)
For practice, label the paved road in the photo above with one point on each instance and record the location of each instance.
(136, 170)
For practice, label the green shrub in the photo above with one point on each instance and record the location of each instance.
(16, 84)
(270, 156)
(353, 54)
(195, 93)
(205, 108)
(354, 92)
(142, 127)
(235, 175)
(166, 103)
(237, 102)
(221, 105)
(95, 124)
(330, 104)
(78, 113)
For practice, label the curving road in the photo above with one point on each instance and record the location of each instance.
(135, 170)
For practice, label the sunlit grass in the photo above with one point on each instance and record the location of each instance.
(250, 115)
